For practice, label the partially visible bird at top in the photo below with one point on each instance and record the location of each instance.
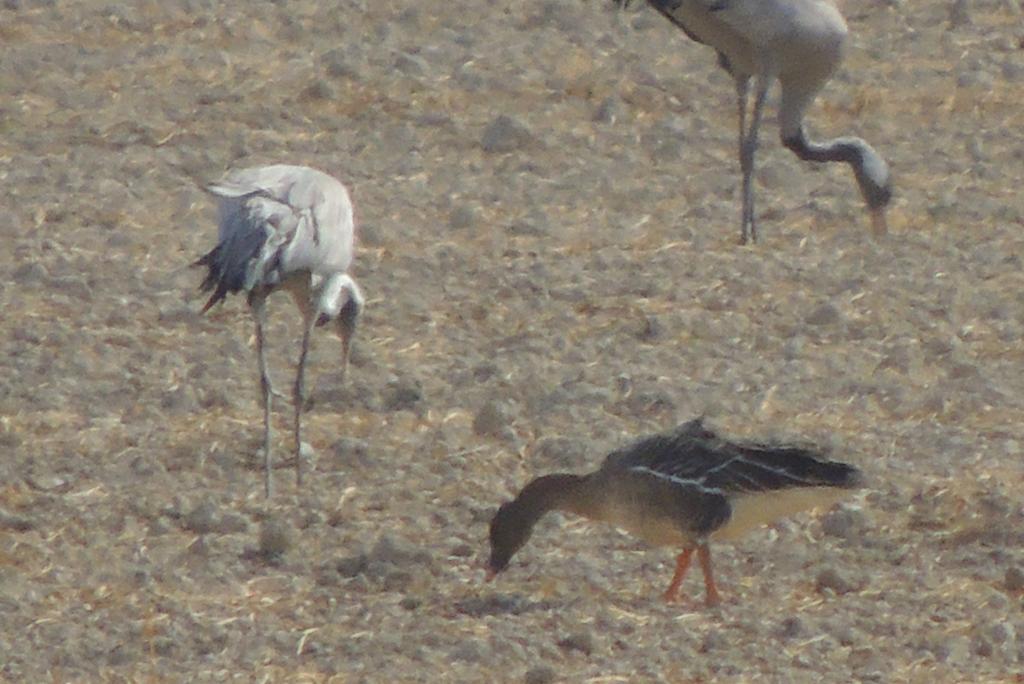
(289, 228)
(684, 489)
(799, 43)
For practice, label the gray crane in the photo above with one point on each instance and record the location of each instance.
(285, 228)
(799, 43)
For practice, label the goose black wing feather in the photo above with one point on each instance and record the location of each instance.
(695, 457)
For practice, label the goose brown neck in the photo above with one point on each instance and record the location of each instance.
(556, 492)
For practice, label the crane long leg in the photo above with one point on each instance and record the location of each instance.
(259, 312)
(299, 398)
(682, 565)
(742, 89)
(712, 597)
(748, 145)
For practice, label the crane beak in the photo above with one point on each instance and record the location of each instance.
(346, 321)
(345, 333)
(879, 226)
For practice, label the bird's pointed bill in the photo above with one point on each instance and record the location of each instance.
(879, 226)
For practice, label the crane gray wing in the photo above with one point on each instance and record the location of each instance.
(257, 225)
(276, 221)
(321, 238)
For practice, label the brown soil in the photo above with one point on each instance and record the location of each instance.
(566, 279)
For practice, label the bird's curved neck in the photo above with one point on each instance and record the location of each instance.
(840, 149)
(557, 492)
(870, 169)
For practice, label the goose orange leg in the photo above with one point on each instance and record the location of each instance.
(704, 554)
(682, 565)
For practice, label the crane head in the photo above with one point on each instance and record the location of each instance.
(341, 301)
(874, 180)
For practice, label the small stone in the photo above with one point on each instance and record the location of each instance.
(233, 523)
(398, 552)
(157, 527)
(462, 217)
(468, 651)
(1014, 578)
(650, 329)
(318, 90)
(433, 119)
(201, 519)
(307, 453)
(147, 466)
(536, 225)
(830, 580)
(351, 566)
(561, 453)
(484, 371)
(275, 538)
(198, 548)
(495, 604)
(351, 452)
(864, 660)
(505, 134)
(983, 647)
(842, 522)
(790, 628)
(71, 285)
(32, 272)
(401, 395)
(180, 400)
(845, 635)
(542, 674)
(217, 398)
(462, 550)
(1001, 633)
(959, 14)
(411, 65)
(469, 77)
(14, 522)
(610, 111)
(713, 641)
(793, 349)
(997, 602)
(1013, 72)
(958, 650)
(311, 519)
(490, 420)
(580, 641)
(826, 314)
(337, 65)
(648, 403)
(170, 315)
(395, 580)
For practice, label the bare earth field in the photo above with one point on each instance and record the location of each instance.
(542, 288)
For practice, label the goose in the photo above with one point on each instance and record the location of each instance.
(682, 489)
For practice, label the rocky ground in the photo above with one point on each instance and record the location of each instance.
(547, 197)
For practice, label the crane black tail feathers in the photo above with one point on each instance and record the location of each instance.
(214, 279)
(227, 264)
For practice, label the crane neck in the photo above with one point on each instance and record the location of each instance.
(869, 168)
